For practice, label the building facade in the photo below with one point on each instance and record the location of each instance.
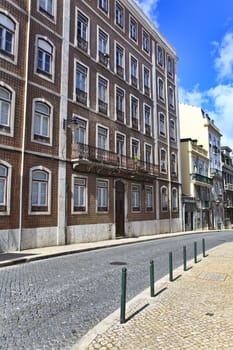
(194, 121)
(227, 174)
(89, 129)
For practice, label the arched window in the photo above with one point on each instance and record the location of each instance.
(163, 161)
(174, 199)
(7, 34)
(42, 122)
(40, 190)
(5, 187)
(5, 109)
(45, 53)
(164, 199)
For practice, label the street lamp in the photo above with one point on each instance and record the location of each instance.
(71, 124)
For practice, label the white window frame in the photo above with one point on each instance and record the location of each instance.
(131, 59)
(105, 195)
(149, 189)
(172, 129)
(144, 68)
(76, 63)
(106, 100)
(7, 188)
(145, 147)
(84, 120)
(73, 211)
(161, 96)
(41, 72)
(162, 133)
(160, 56)
(123, 15)
(175, 163)
(164, 200)
(124, 143)
(88, 29)
(131, 112)
(13, 55)
(135, 198)
(51, 16)
(12, 111)
(116, 105)
(123, 59)
(49, 187)
(171, 97)
(170, 65)
(163, 162)
(144, 32)
(103, 5)
(107, 137)
(174, 200)
(137, 156)
(105, 51)
(50, 128)
(145, 107)
(135, 40)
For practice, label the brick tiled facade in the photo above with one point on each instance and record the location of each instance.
(104, 68)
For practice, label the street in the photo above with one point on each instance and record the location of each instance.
(52, 303)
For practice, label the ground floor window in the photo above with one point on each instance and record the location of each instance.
(149, 198)
(102, 195)
(80, 194)
(135, 198)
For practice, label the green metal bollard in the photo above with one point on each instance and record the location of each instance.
(152, 279)
(123, 294)
(185, 258)
(195, 252)
(203, 248)
(170, 267)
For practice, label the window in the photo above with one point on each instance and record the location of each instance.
(163, 161)
(135, 149)
(120, 144)
(134, 71)
(148, 154)
(134, 113)
(164, 199)
(174, 199)
(161, 88)
(102, 196)
(5, 110)
(169, 65)
(135, 197)
(149, 198)
(172, 130)
(80, 194)
(160, 55)
(147, 120)
(120, 104)
(119, 15)
(3, 187)
(46, 6)
(40, 190)
(103, 48)
(146, 41)
(7, 35)
(44, 57)
(120, 60)
(171, 96)
(80, 133)
(81, 84)
(103, 5)
(41, 122)
(102, 143)
(146, 81)
(162, 127)
(133, 29)
(173, 164)
(103, 95)
(82, 34)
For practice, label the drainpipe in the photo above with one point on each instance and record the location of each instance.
(24, 131)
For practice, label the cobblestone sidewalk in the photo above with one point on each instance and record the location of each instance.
(193, 312)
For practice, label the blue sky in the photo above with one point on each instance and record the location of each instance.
(202, 33)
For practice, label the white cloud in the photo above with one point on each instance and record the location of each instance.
(149, 7)
(193, 97)
(224, 61)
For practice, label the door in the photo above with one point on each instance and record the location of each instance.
(120, 209)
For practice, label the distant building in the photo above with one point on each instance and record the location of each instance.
(195, 123)
(227, 174)
(89, 128)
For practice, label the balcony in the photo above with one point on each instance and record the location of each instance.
(120, 116)
(120, 71)
(135, 123)
(201, 178)
(228, 187)
(103, 58)
(82, 44)
(103, 107)
(101, 160)
(81, 96)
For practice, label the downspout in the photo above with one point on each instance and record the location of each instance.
(24, 129)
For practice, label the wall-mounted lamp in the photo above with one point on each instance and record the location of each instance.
(70, 123)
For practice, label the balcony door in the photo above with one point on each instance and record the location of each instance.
(120, 209)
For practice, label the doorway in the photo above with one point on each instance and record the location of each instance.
(120, 209)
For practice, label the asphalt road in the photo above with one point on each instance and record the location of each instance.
(50, 304)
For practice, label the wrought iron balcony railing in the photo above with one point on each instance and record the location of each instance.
(202, 178)
(82, 44)
(108, 158)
